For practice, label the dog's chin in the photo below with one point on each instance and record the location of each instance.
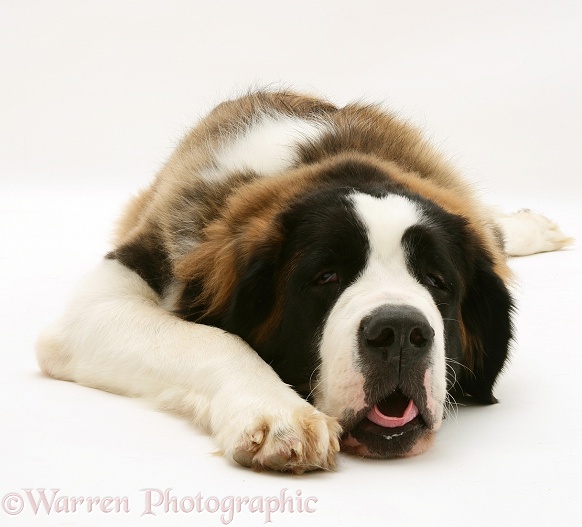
(368, 439)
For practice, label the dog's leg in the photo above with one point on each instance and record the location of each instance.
(527, 232)
(115, 336)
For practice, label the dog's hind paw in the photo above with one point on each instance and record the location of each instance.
(527, 232)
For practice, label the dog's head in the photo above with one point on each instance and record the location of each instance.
(360, 291)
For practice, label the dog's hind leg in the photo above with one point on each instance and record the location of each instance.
(527, 232)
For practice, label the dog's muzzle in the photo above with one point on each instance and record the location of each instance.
(394, 344)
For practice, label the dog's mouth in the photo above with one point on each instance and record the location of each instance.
(394, 411)
(390, 428)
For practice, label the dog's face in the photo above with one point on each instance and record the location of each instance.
(372, 302)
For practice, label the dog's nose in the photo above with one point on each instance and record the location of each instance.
(390, 331)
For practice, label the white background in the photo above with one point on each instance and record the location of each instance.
(93, 97)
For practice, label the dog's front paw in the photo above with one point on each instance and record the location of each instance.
(296, 440)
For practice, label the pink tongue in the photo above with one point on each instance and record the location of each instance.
(388, 421)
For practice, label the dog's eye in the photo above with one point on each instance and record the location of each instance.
(327, 278)
(435, 280)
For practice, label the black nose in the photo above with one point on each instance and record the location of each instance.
(392, 331)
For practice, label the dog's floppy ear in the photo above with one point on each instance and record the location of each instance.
(230, 278)
(486, 329)
(254, 297)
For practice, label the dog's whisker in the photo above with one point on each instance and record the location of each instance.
(312, 390)
(450, 361)
(451, 407)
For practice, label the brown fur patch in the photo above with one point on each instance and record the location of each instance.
(247, 223)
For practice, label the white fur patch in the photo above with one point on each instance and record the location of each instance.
(268, 146)
(385, 280)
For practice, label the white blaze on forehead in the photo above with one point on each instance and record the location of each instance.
(267, 146)
(386, 220)
(385, 280)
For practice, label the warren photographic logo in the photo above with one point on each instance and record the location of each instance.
(156, 502)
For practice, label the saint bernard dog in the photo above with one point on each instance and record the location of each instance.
(299, 279)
